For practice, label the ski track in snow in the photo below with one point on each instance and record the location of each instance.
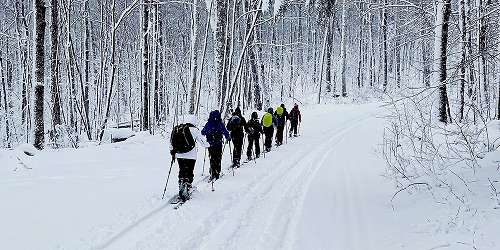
(259, 214)
(321, 190)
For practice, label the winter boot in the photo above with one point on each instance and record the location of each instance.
(184, 190)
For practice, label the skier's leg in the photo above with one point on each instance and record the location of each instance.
(249, 147)
(238, 146)
(294, 128)
(279, 134)
(268, 138)
(182, 170)
(213, 161)
(218, 156)
(183, 173)
(190, 170)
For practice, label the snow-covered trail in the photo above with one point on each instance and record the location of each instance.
(312, 193)
(346, 205)
(322, 190)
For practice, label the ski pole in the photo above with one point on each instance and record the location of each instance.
(204, 158)
(168, 177)
(223, 149)
(253, 153)
(263, 147)
(232, 159)
(286, 133)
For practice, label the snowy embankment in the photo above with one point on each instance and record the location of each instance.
(322, 190)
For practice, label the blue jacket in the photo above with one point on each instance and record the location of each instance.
(214, 129)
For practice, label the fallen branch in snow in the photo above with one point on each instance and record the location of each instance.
(410, 185)
(22, 163)
(493, 187)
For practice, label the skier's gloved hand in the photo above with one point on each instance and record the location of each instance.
(172, 153)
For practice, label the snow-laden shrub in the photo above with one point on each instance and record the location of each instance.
(444, 160)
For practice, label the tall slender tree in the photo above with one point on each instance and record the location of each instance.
(443, 12)
(39, 133)
(54, 64)
(145, 65)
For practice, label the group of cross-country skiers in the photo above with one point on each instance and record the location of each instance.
(185, 136)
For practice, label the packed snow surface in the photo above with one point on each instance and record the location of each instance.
(322, 190)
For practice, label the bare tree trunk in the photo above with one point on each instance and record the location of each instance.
(329, 53)
(232, 48)
(203, 56)
(22, 29)
(261, 86)
(397, 51)
(145, 65)
(384, 47)
(464, 59)
(344, 49)
(263, 81)
(440, 55)
(70, 71)
(39, 135)
(220, 48)
(323, 52)
(156, 46)
(85, 90)
(426, 61)
(483, 50)
(252, 59)
(54, 34)
(115, 24)
(6, 103)
(194, 56)
(371, 55)
(360, 47)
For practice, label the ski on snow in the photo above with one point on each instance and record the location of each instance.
(177, 202)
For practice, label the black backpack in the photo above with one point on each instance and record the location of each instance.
(234, 123)
(181, 138)
(294, 115)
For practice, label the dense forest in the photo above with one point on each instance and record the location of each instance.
(69, 69)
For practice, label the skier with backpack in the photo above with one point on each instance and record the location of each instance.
(236, 126)
(253, 129)
(215, 130)
(295, 119)
(281, 118)
(183, 148)
(268, 123)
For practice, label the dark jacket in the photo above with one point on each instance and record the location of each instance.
(254, 128)
(286, 114)
(236, 125)
(214, 129)
(281, 119)
(294, 115)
